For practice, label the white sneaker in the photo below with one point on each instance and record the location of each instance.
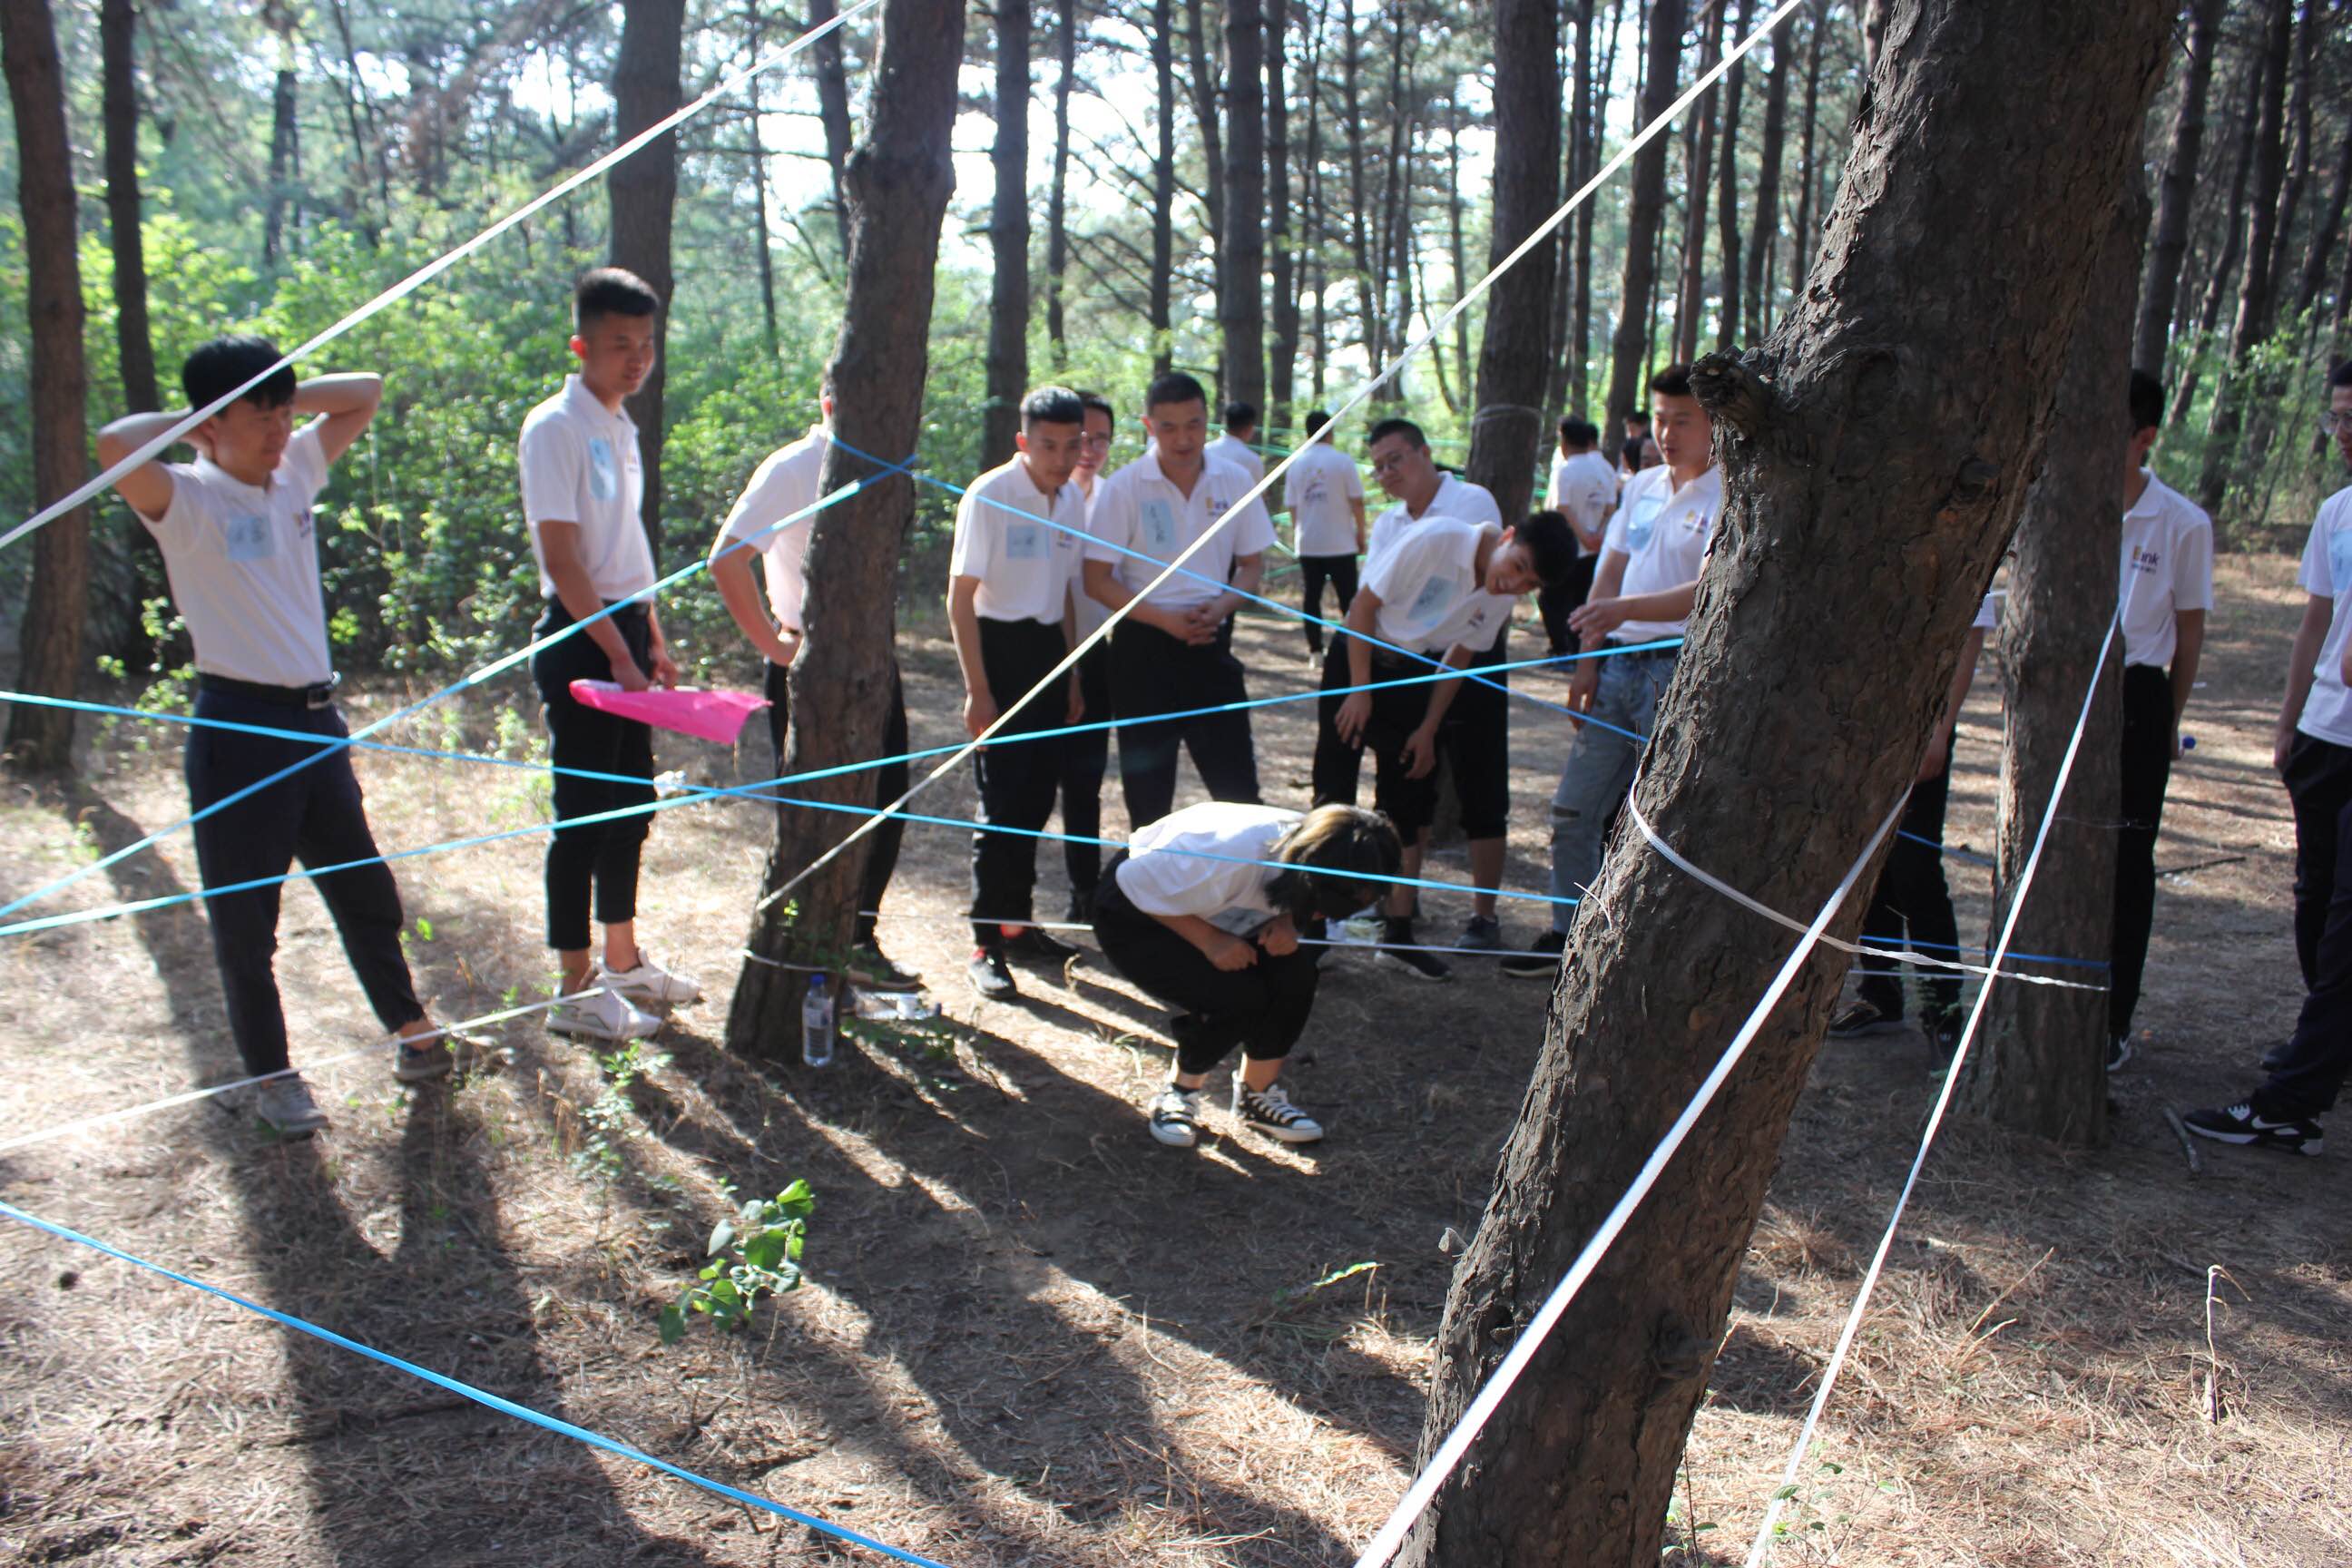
(285, 1103)
(600, 1014)
(651, 986)
(1176, 1115)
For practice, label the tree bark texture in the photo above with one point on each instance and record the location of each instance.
(1629, 348)
(49, 656)
(1726, 184)
(1212, 152)
(1508, 430)
(1057, 203)
(1282, 348)
(2176, 189)
(2297, 137)
(1008, 236)
(1785, 738)
(832, 72)
(897, 184)
(2225, 264)
(1810, 176)
(1163, 188)
(134, 344)
(642, 191)
(283, 132)
(1765, 232)
(2040, 1062)
(1241, 302)
(2328, 229)
(2256, 290)
(1698, 167)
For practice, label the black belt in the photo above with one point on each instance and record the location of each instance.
(322, 695)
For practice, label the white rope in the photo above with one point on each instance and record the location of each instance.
(1490, 1398)
(432, 269)
(1471, 296)
(1762, 1544)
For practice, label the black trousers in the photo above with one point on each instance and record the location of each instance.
(1556, 604)
(314, 817)
(1473, 744)
(1086, 758)
(1263, 1008)
(1016, 782)
(1912, 901)
(2307, 1073)
(2147, 769)
(1313, 570)
(1153, 673)
(890, 782)
(598, 858)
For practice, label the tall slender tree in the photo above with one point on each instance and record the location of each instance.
(118, 25)
(1282, 351)
(1726, 185)
(1765, 233)
(2328, 229)
(1057, 203)
(831, 68)
(2176, 188)
(642, 191)
(2257, 286)
(1629, 349)
(1008, 238)
(1506, 432)
(2232, 245)
(1163, 187)
(285, 132)
(1698, 164)
(1209, 122)
(1241, 302)
(1809, 167)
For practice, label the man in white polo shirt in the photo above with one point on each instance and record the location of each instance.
(1641, 593)
(2312, 749)
(770, 522)
(1583, 489)
(1087, 758)
(1236, 445)
(2167, 587)
(582, 485)
(1327, 515)
(241, 549)
(1171, 654)
(1012, 583)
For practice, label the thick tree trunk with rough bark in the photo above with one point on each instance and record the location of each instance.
(1785, 739)
(1008, 238)
(134, 346)
(1241, 302)
(898, 183)
(2039, 1064)
(49, 656)
(1506, 432)
(643, 193)
(2176, 189)
(1629, 349)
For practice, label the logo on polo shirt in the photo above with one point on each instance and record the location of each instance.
(2143, 559)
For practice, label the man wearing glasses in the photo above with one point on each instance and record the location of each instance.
(2312, 753)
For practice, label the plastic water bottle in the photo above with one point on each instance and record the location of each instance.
(816, 1023)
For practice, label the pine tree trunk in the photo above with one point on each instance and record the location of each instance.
(2176, 188)
(1776, 710)
(1506, 432)
(832, 72)
(2325, 231)
(2039, 1065)
(1630, 348)
(282, 133)
(1457, 248)
(2297, 135)
(2256, 288)
(1368, 284)
(642, 191)
(1241, 301)
(1008, 236)
(1212, 154)
(1058, 206)
(1400, 237)
(1315, 238)
(1282, 367)
(898, 183)
(1164, 189)
(49, 647)
(1765, 233)
(1805, 240)
(764, 242)
(134, 344)
(1726, 184)
(1698, 166)
(2225, 265)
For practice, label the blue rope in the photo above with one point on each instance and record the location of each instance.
(467, 1391)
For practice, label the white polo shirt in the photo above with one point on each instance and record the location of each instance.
(243, 562)
(580, 466)
(1165, 874)
(1663, 533)
(1584, 488)
(1004, 538)
(1431, 596)
(2168, 567)
(1457, 497)
(1232, 449)
(1988, 615)
(2327, 573)
(1141, 509)
(783, 485)
(1318, 487)
(1092, 612)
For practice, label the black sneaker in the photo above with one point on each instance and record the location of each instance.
(2239, 1125)
(1943, 1043)
(1483, 934)
(988, 974)
(1540, 962)
(1081, 912)
(1858, 1018)
(1037, 946)
(1270, 1111)
(1176, 1115)
(872, 968)
(1406, 957)
(2119, 1052)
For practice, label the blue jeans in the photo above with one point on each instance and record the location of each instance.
(1599, 771)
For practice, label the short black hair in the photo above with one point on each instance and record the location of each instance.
(1579, 432)
(1240, 417)
(1053, 406)
(219, 367)
(1394, 426)
(1096, 403)
(1316, 419)
(611, 291)
(1550, 546)
(2147, 402)
(1173, 386)
(2341, 375)
(1672, 382)
(1638, 416)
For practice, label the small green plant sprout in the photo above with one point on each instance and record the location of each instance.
(1811, 1499)
(756, 1253)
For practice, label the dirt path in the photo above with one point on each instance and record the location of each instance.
(1032, 1336)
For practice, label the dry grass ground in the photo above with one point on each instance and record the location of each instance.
(1029, 1334)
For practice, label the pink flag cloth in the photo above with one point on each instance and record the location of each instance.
(690, 710)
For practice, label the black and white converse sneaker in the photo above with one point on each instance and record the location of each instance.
(2119, 1052)
(2241, 1124)
(1270, 1111)
(1407, 957)
(1176, 1115)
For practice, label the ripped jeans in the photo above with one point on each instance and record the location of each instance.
(1599, 769)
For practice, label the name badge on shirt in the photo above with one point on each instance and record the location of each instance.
(1431, 602)
(1159, 526)
(247, 538)
(1022, 542)
(603, 473)
(1642, 523)
(2339, 559)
